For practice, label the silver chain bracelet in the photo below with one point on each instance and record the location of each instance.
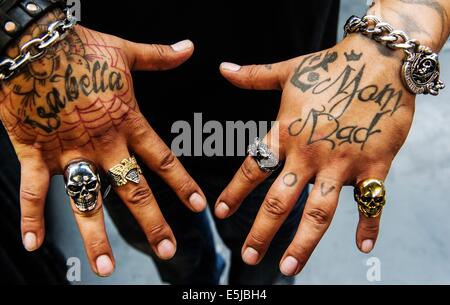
(37, 47)
(420, 71)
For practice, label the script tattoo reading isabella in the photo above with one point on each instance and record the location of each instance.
(78, 91)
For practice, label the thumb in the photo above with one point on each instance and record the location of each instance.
(153, 57)
(257, 77)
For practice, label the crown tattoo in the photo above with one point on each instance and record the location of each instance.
(352, 56)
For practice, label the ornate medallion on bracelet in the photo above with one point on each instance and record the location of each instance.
(420, 72)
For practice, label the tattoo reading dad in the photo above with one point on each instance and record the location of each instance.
(341, 93)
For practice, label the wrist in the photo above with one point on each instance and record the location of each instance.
(419, 24)
(34, 30)
(420, 70)
(18, 15)
(39, 39)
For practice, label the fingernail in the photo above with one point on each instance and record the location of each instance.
(104, 265)
(367, 246)
(197, 202)
(182, 45)
(30, 241)
(230, 66)
(289, 266)
(250, 256)
(166, 249)
(222, 210)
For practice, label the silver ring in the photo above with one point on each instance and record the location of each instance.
(82, 184)
(261, 153)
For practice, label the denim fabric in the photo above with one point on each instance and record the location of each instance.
(18, 266)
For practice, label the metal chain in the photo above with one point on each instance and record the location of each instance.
(37, 47)
(420, 71)
(381, 32)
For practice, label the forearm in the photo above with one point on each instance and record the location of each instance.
(425, 20)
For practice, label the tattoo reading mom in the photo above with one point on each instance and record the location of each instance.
(343, 91)
(100, 80)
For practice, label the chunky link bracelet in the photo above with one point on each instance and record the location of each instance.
(420, 72)
(37, 47)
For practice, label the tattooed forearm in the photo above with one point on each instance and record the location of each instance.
(341, 92)
(425, 20)
(411, 24)
(433, 4)
(78, 91)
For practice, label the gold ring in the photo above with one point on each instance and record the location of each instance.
(127, 171)
(370, 195)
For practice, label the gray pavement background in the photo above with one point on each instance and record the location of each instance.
(414, 244)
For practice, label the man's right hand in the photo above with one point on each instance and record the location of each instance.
(78, 102)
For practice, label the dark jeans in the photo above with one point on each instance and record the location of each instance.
(17, 266)
(197, 261)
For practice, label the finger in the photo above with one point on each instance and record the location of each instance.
(275, 209)
(151, 57)
(93, 232)
(35, 180)
(258, 77)
(367, 232)
(159, 158)
(143, 206)
(247, 178)
(317, 216)
(368, 228)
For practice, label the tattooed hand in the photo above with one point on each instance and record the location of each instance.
(343, 118)
(78, 102)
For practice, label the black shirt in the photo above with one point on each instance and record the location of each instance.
(241, 31)
(245, 32)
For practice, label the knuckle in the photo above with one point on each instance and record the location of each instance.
(136, 123)
(31, 220)
(138, 134)
(275, 207)
(256, 240)
(248, 173)
(139, 130)
(140, 196)
(97, 245)
(186, 186)
(155, 232)
(168, 160)
(318, 216)
(158, 50)
(253, 72)
(105, 138)
(31, 196)
(370, 228)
